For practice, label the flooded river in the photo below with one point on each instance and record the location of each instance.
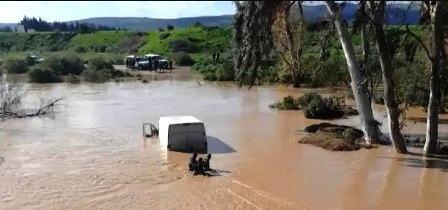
(91, 154)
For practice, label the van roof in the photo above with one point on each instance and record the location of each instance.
(179, 119)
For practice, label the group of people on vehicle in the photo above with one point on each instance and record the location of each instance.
(199, 166)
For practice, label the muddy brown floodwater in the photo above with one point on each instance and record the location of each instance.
(91, 154)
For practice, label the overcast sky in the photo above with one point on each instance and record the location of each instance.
(14, 11)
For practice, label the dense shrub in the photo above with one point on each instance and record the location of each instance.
(101, 41)
(412, 84)
(169, 27)
(164, 36)
(183, 45)
(15, 66)
(316, 107)
(225, 71)
(183, 59)
(269, 75)
(330, 72)
(202, 63)
(313, 105)
(38, 75)
(53, 63)
(101, 70)
(212, 71)
(112, 49)
(99, 63)
(72, 64)
(34, 41)
(116, 59)
(80, 49)
(64, 64)
(99, 48)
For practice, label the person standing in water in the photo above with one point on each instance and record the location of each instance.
(170, 63)
(207, 163)
(193, 162)
(199, 167)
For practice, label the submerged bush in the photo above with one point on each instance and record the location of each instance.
(288, 103)
(38, 75)
(15, 66)
(317, 107)
(73, 79)
(91, 75)
(102, 75)
(314, 106)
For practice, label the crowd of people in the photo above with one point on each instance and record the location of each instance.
(200, 166)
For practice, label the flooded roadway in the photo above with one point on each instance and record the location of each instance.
(91, 154)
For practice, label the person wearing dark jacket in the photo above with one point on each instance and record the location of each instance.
(156, 65)
(207, 163)
(193, 162)
(199, 168)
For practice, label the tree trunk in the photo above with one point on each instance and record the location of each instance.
(292, 48)
(293, 44)
(365, 59)
(393, 113)
(368, 123)
(434, 96)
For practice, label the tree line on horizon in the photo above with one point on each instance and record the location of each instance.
(38, 24)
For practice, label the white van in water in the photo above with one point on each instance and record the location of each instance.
(182, 133)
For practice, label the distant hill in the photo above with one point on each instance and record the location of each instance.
(145, 24)
(397, 14)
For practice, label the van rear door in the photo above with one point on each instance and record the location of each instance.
(187, 136)
(196, 135)
(177, 137)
